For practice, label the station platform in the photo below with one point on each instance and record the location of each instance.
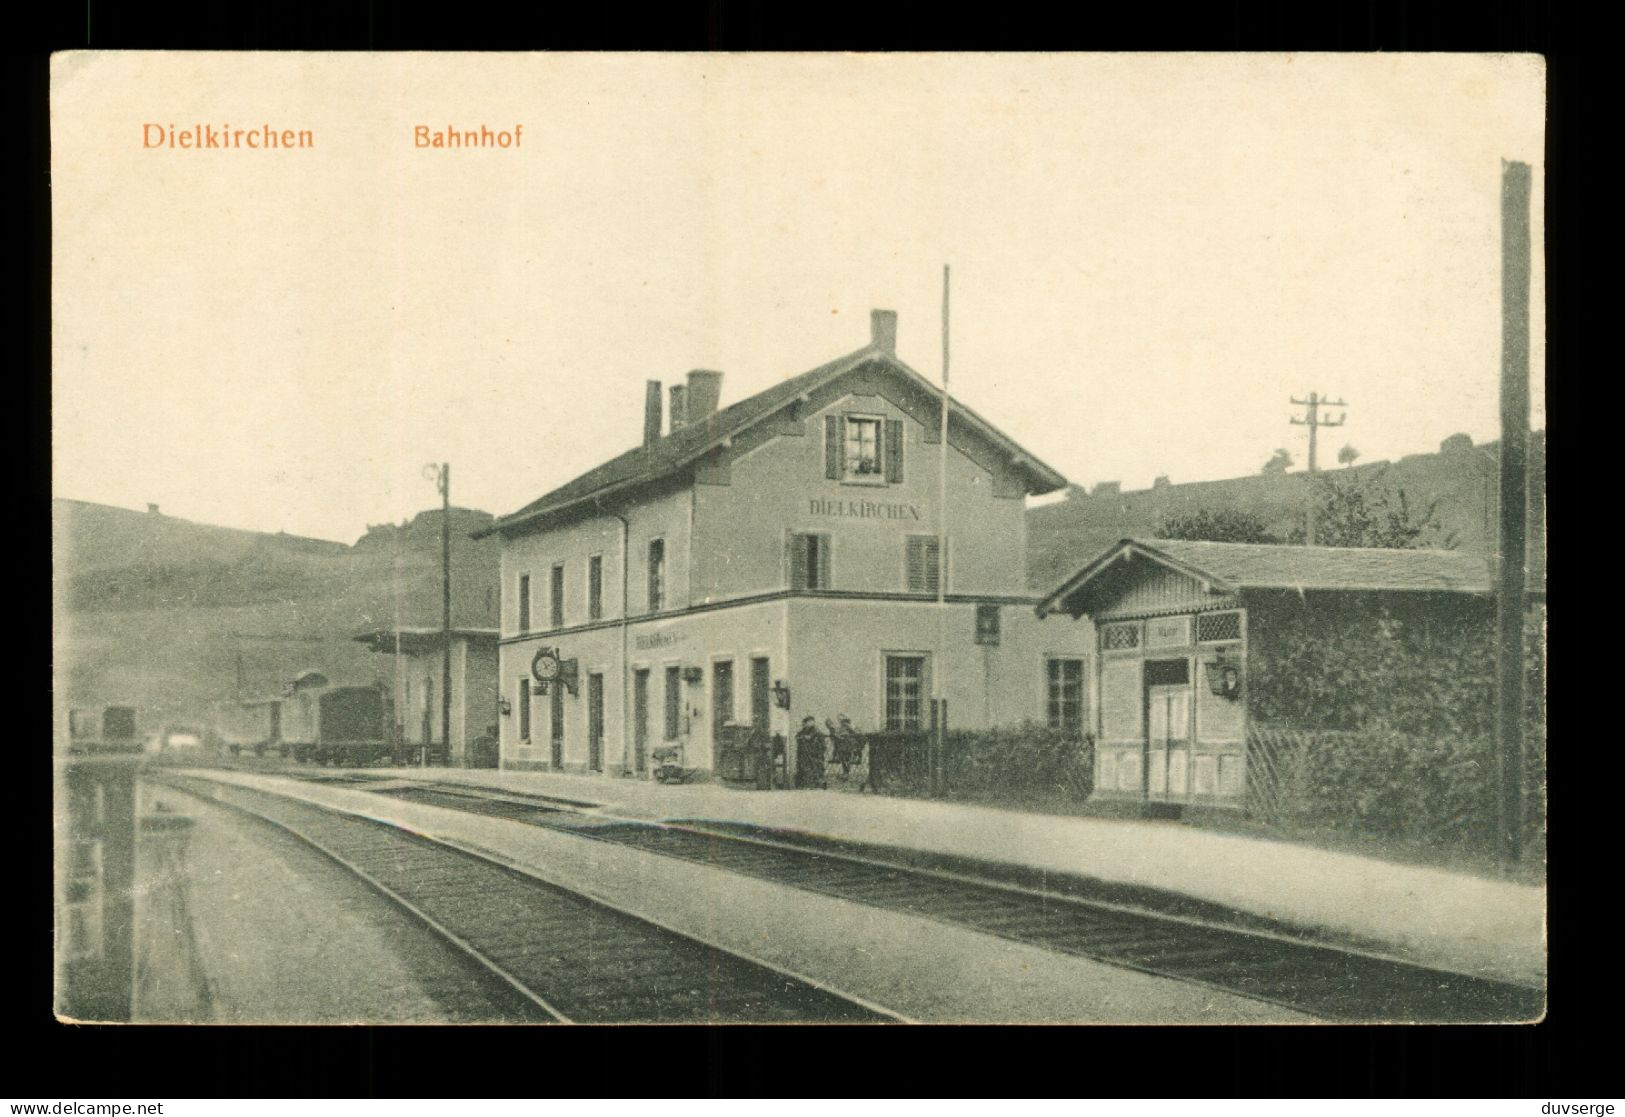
(1454, 921)
(911, 965)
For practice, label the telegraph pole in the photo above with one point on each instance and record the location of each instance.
(937, 675)
(1510, 588)
(1314, 422)
(441, 476)
(445, 608)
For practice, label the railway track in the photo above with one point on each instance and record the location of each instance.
(1329, 981)
(567, 957)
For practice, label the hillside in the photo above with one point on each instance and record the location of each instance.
(169, 615)
(1462, 478)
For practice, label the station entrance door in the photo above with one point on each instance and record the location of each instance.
(1167, 730)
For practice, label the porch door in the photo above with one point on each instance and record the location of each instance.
(1168, 742)
(722, 705)
(640, 719)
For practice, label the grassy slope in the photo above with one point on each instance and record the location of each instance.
(148, 606)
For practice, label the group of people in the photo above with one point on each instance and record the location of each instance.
(845, 751)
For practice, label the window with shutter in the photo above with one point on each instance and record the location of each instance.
(524, 709)
(893, 446)
(809, 562)
(863, 449)
(832, 447)
(922, 563)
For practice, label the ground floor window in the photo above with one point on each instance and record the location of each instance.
(1065, 686)
(905, 689)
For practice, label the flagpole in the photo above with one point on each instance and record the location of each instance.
(942, 561)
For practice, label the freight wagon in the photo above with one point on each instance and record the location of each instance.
(250, 724)
(344, 725)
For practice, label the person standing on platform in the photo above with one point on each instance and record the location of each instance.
(845, 748)
(810, 755)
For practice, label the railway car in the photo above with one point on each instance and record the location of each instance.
(345, 725)
(254, 723)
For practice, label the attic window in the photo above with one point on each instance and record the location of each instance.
(863, 449)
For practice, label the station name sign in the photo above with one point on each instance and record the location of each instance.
(862, 509)
(651, 640)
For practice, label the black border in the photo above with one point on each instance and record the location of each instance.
(52, 1061)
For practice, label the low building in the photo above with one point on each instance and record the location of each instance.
(778, 559)
(421, 697)
(1199, 643)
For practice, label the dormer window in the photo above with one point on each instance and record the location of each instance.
(863, 449)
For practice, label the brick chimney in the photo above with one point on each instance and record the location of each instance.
(704, 393)
(883, 330)
(679, 410)
(1456, 444)
(651, 414)
(152, 509)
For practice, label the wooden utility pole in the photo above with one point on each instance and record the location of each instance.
(1314, 422)
(940, 668)
(441, 476)
(1510, 589)
(445, 608)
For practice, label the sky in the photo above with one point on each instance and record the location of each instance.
(1150, 256)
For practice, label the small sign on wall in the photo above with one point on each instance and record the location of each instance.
(1168, 632)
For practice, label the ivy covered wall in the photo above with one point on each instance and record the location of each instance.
(1418, 664)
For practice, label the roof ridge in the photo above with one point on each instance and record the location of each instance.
(677, 449)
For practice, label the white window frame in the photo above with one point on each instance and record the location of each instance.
(925, 686)
(878, 477)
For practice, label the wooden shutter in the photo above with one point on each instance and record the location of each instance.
(922, 564)
(823, 563)
(894, 450)
(798, 562)
(832, 447)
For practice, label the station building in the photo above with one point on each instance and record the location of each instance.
(777, 559)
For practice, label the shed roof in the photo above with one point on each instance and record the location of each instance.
(682, 447)
(1229, 567)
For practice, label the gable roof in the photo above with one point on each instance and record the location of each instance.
(1231, 567)
(675, 451)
